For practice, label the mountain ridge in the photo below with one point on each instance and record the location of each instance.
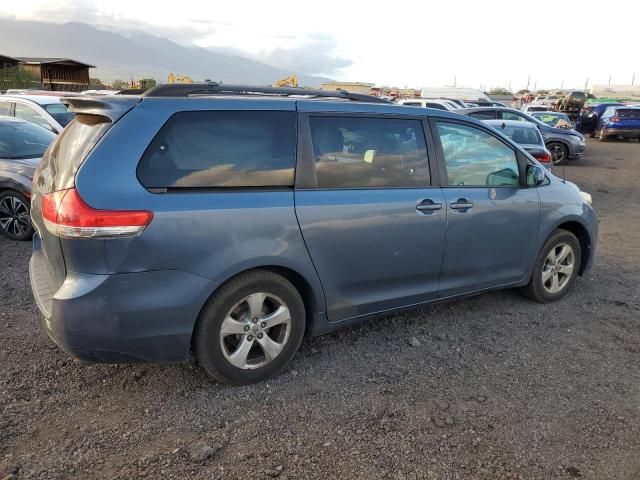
(134, 54)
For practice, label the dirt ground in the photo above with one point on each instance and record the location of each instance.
(495, 386)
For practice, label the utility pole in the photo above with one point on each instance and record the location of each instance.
(609, 80)
(535, 87)
(528, 81)
(562, 85)
(586, 82)
(633, 79)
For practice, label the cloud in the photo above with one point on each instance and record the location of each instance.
(311, 54)
(314, 56)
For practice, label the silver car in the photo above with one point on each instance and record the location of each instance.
(44, 110)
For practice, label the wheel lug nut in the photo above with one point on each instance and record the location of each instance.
(263, 324)
(250, 337)
(247, 328)
(259, 335)
(255, 320)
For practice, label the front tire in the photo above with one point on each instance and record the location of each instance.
(556, 268)
(250, 329)
(559, 153)
(15, 222)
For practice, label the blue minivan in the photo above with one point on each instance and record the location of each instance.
(228, 221)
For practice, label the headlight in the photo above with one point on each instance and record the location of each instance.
(586, 197)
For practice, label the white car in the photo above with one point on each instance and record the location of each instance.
(535, 107)
(44, 110)
(437, 103)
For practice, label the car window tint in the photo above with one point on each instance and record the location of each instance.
(369, 152)
(513, 116)
(629, 113)
(23, 140)
(30, 115)
(4, 108)
(412, 104)
(221, 149)
(523, 135)
(483, 115)
(475, 158)
(435, 105)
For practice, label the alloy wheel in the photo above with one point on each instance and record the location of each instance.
(255, 331)
(557, 154)
(14, 216)
(558, 268)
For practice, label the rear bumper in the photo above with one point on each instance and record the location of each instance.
(120, 318)
(622, 132)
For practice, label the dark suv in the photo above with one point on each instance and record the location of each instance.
(228, 221)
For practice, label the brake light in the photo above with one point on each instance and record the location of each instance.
(544, 157)
(66, 215)
(614, 119)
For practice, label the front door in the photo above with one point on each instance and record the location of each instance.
(492, 217)
(373, 224)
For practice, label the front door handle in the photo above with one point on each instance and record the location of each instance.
(461, 204)
(428, 205)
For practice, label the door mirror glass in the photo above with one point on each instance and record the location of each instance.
(535, 175)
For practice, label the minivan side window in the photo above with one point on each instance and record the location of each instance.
(475, 158)
(513, 116)
(222, 149)
(484, 115)
(353, 152)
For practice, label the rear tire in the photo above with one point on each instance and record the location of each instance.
(250, 329)
(15, 220)
(560, 257)
(602, 137)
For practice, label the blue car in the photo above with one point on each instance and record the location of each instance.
(619, 122)
(589, 116)
(228, 221)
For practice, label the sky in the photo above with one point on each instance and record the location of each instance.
(489, 43)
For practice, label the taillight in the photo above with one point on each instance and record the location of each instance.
(614, 119)
(66, 215)
(544, 157)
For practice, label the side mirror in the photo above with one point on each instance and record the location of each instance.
(535, 175)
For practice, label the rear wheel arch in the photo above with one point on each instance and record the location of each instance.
(302, 285)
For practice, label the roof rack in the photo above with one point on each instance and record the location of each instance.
(187, 89)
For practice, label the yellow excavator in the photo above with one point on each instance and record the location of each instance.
(290, 81)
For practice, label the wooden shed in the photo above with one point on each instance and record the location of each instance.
(58, 74)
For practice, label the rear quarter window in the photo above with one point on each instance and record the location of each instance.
(62, 159)
(228, 149)
(629, 113)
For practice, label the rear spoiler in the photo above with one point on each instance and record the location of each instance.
(108, 106)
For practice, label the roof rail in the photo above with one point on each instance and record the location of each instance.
(186, 89)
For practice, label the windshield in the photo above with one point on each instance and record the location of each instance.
(553, 119)
(60, 113)
(23, 140)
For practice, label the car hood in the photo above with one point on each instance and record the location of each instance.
(26, 166)
(560, 131)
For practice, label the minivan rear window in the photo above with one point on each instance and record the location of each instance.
(629, 113)
(229, 149)
(63, 158)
